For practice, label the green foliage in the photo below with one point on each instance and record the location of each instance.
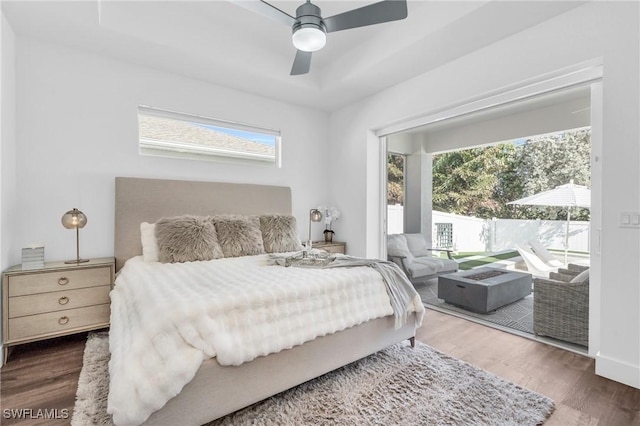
(395, 180)
(481, 181)
(471, 182)
(548, 161)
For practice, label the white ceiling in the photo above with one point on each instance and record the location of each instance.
(222, 43)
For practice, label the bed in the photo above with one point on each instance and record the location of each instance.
(217, 390)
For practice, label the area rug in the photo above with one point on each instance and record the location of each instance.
(397, 386)
(517, 315)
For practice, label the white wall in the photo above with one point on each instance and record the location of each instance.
(606, 30)
(77, 130)
(7, 141)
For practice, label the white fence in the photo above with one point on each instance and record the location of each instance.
(473, 234)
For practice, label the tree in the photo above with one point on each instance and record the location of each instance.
(469, 182)
(481, 181)
(547, 161)
(395, 179)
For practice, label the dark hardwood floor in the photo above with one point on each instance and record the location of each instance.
(44, 375)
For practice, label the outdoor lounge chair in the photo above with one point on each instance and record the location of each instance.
(411, 254)
(544, 254)
(535, 265)
(561, 306)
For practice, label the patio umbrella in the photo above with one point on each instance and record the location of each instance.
(569, 195)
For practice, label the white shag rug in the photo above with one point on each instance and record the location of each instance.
(396, 386)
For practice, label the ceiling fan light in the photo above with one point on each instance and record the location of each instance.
(309, 38)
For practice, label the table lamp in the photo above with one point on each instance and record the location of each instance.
(75, 219)
(314, 216)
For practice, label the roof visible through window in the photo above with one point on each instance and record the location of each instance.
(180, 135)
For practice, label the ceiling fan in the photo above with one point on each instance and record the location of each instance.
(310, 28)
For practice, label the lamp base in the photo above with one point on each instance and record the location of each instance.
(76, 261)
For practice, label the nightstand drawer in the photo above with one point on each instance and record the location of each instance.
(57, 322)
(21, 285)
(58, 301)
(333, 248)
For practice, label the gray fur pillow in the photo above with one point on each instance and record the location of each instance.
(279, 233)
(187, 239)
(239, 235)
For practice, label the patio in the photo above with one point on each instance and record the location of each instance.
(515, 318)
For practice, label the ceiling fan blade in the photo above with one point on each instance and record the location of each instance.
(302, 63)
(265, 9)
(377, 13)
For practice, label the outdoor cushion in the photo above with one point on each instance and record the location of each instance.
(417, 245)
(397, 246)
(425, 266)
(581, 277)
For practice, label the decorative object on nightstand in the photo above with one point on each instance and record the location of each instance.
(33, 256)
(75, 219)
(56, 300)
(314, 216)
(330, 214)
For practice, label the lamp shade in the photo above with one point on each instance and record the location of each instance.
(315, 215)
(74, 219)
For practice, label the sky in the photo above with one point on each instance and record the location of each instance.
(255, 137)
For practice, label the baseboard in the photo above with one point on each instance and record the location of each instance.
(617, 370)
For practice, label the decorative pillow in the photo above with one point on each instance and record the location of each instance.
(582, 277)
(239, 235)
(187, 239)
(149, 242)
(397, 246)
(279, 233)
(417, 245)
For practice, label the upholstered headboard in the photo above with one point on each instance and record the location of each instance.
(147, 200)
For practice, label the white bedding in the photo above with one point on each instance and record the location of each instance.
(167, 318)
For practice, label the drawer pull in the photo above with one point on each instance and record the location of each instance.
(63, 320)
(63, 300)
(63, 281)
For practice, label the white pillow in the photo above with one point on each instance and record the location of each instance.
(397, 246)
(150, 248)
(417, 245)
(581, 277)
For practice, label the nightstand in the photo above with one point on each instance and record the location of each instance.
(333, 247)
(57, 300)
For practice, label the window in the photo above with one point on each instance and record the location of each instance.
(444, 235)
(172, 134)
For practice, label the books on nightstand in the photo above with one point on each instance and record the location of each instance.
(33, 256)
